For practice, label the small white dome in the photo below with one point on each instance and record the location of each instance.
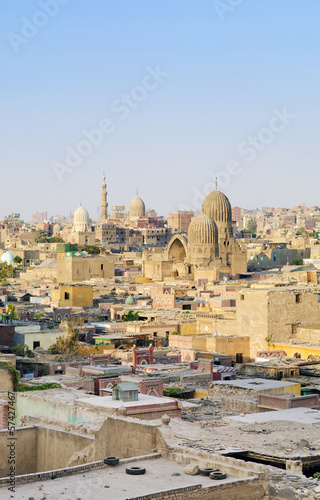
(81, 220)
(7, 257)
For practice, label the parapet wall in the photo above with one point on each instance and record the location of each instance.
(282, 403)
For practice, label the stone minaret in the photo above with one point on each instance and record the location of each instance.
(104, 204)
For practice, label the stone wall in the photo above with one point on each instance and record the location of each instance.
(274, 315)
(5, 380)
(4, 405)
(311, 335)
(239, 405)
(249, 489)
(58, 449)
(125, 437)
(26, 445)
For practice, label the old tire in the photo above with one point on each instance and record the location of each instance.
(206, 471)
(111, 461)
(135, 471)
(217, 475)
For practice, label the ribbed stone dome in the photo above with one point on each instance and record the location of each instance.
(217, 206)
(81, 220)
(137, 207)
(202, 231)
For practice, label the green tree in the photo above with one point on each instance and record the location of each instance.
(41, 237)
(301, 231)
(6, 271)
(131, 316)
(11, 310)
(298, 261)
(55, 239)
(252, 226)
(17, 259)
(92, 249)
(67, 345)
(24, 351)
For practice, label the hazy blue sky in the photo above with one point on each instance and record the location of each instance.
(229, 70)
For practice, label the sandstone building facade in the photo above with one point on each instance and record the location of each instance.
(208, 252)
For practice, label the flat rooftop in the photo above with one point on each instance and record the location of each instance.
(107, 401)
(256, 384)
(300, 415)
(113, 483)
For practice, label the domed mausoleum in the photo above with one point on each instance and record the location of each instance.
(217, 206)
(81, 220)
(7, 257)
(210, 251)
(130, 301)
(137, 208)
(202, 240)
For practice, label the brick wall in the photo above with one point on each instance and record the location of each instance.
(96, 359)
(282, 403)
(152, 387)
(86, 385)
(206, 366)
(6, 335)
(167, 360)
(107, 382)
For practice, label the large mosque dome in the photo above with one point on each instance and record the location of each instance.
(137, 207)
(81, 220)
(7, 257)
(202, 231)
(217, 206)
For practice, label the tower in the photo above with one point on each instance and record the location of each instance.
(104, 204)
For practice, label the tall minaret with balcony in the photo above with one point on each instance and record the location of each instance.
(104, 203)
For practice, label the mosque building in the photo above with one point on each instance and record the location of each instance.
(81, 232)
(137, 208)
(208, 252)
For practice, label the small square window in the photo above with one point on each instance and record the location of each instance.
(298, 298)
